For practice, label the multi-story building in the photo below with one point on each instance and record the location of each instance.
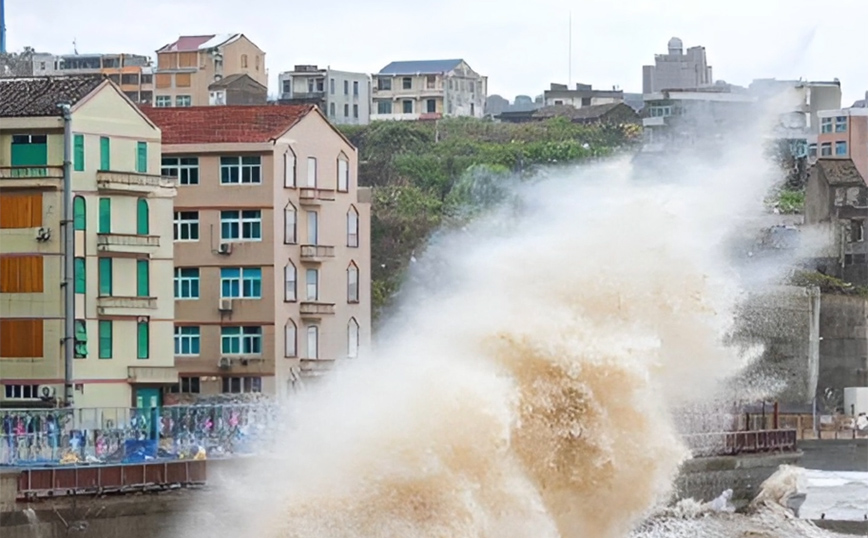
(132, 72)
(343, 96)
(187, 67)
(272, 258)
(843, 134)
(677, 70)
(123, 307)
(428, 89)
(583, 95)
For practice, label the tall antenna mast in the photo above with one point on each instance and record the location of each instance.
(570, 53)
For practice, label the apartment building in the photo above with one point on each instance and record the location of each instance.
(677, 70)
(121, 211)
(187, 67)
(343, 96)
(843, 135)
(584, 95)
(272, 257)
(428, 89)
(132, 72)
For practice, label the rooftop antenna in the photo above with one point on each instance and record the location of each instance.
(74, 47)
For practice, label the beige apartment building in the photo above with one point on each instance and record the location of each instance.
(272, 256)
(428, 89)
(122, 248)
(187, 67)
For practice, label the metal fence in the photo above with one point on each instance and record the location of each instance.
(121, 435)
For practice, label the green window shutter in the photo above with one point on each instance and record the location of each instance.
(79, 213)
(105, 277)
(105, 151)
(143, 341)
(105, 339)
(29, 154)
(80, 339)
(142, 157)
(78, 153)
(142, 279)
(142, 220)
(80, 276)
(105, 215)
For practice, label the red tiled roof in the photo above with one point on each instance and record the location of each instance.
(187, 43)
(224, 124)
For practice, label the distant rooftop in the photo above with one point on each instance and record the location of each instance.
(420, 66)
(199, 42)
(39, 96)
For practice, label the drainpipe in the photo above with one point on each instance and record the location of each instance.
(68, 258)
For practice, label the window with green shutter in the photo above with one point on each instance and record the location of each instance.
(105, 339)
(143, 340)
(80, 276)
(143, 280)
(105, 151)
(142, 157)
(79, 213)
(105, 277)
(142, 221)
(105, 215)
(80, 339)
(78, 153)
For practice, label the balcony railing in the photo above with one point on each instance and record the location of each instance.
(313, 195)
(316, 309)
(30, 176)
(122, 242)
(131, 181)
(107, 306)
(156, 375)
(316, 252)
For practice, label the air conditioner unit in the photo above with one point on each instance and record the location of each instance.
(225, 304)
(224, 248)
(43, 234)
(224, 363)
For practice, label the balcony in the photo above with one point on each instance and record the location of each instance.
(316, 367)
(39, 177)
(124, 306)
(303, 97)
(152, 375)
(315, 309)
(132, 182)
(316, 253)
(315, 196)
(127, 243)
(656, 121)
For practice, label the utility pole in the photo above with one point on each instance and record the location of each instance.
(570, 53)
(68, 258)
(2, 26)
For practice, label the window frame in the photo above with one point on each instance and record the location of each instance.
(353, 227)
(290, 179)
(242, 282)
(841, 124)
(105, 339)
(826, 149)
(353, 331)
(343, 173)
(839, 152)
(236, 163)
(192, 336)
(244, 219)
(105, 277)
(188, 281)
(185, 170)
(290, 285)
(143, 340)
(290, 224)
(353, 287)
(311, 334)
(181, 223)
(290, 336)
(247, 336)
(311, 285)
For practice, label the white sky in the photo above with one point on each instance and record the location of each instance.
(522, 47)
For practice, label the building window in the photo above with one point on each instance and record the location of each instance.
(105, 215)
(290, 280)
(840, 124)
(353, 338)
(22, 274)
(356, 87)
(143, 340)
(312, 228)
(22, 338)
(143, 278)
(30, 151)
(78, 153)
(825, 125)
(343, 173)
(105, 277)
(21, 392)
(80, 273)
(430, 81)
(238, 170)
(430, 106)
(163, 101)
(290, 224)
(80, 349)
(243, 61)
(22, 210)
(290, 339)
(332, 86)
(289, 168)
(407, 106)
(105, 153)
(407, 83)
(187, 340)
(312, 342)
(331, 110)
(825, 149)
(243, 225)
(186, 225)
(841, 148)
(187, 385)
(312, 282)
(384, 83)
(355, 111)
(352, 283)
(346, 87)
(857, 231)
(142, 217)
(183, 101)
(384, 106)
(240, 385)
(241, 282)
(184, 169)
(241, 340)
(812, 150)
(353, 227)
(186, 283)
(105, 339)
(311, 172)
(142, 157)
(346, 110)
(79, 213)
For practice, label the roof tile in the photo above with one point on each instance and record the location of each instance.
(39, 96)
(420, 66)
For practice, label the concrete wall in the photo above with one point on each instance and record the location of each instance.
(844, 344)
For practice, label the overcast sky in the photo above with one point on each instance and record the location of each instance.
(521, 46)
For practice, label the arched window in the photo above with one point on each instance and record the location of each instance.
(353, 338)
(290, 282)
(290, 224)
(290, 343)
(289, 169)
(353, 227)
(142, 219)
(79, 213)
(353, 283)
(343, 173)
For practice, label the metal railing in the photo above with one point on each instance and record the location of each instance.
(740, 442)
